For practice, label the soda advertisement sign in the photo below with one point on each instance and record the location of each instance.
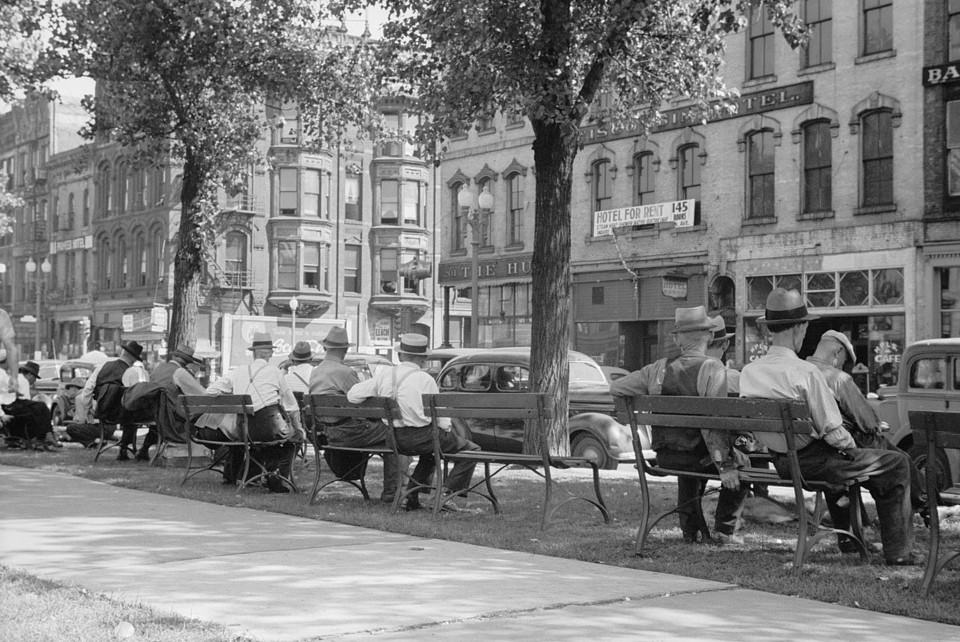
(238, 331)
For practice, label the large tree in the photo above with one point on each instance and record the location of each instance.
(188, 80)
(548, 60)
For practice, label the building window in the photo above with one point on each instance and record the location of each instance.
(311, 192)
(515, 209)
(351, 268)
(643, 179)
(818, 14)
(389, 202)
(122, 185)
(235, 260)
(817, 186)
(596, 295)
(314, 276)
(103, 191)
(877, 158)
(411, 202)
(602, 186)
(389, 265)
(86, 207)
(351, 197)
(760, 37)
(953, 147)
(141, 259)
(287, 265)
(690, 177)
(392, 145)
(105, 266)
(877, 26)
(123, 264)
(457, 231)
(71, 216)
(411, 283)
(55, 214)
(953, 29)
(760, 174)
(486, 216)
(158, 186)
(158, 248)
(289, 195)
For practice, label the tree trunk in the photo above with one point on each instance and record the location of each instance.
(554, 150)
(188, 259)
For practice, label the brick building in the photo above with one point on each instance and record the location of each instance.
(814, 182)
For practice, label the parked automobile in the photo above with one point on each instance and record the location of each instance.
(365, 365)
(71, 374)
(438, 357)
(594, 432)
(929, 379)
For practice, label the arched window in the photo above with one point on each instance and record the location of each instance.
(602, 185)
(689, 187)
(817, 170)
(122, 186)
(643, 179)
(104, 265)
(141, 261)
(515, 208)
(457, 230)
(158, 249)
(71, 217)
(104, 187)
(760, 165)
(86, 207)
(485, 215)
(122, 263)
(877, 158)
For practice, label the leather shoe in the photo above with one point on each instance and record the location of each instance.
(276, 486)
(123, 456)
(727, 539)
(910, 559)
(412, 505)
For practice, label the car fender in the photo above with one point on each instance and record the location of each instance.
(605, 428)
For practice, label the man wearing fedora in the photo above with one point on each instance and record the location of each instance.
(276, 413)
(859, 418)
(693, 373)
(333, 377)
(174, 377)
(406, 383)
(301, 367)
(829, 455)
(103, 393)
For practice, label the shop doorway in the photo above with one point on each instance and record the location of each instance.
(641, 343)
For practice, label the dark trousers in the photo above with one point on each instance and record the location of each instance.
(419, 441)
(365, 435)
(30, 419)
(918, 495)
(269, 424)
(690, 494)
(232, 455)
(888, 480)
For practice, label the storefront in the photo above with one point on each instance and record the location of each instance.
(625, 321)
(866, 304)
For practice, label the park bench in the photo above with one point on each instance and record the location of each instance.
(788, 418)
(514, 406)
(323, 408)
(938, 430)
(242, 406)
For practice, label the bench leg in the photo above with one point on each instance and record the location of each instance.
(643, 530)
(316, 477)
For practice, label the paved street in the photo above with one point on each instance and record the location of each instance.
(276, 577)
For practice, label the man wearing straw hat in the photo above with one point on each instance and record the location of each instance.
(693, 373)
(830, 454)
(406, 383)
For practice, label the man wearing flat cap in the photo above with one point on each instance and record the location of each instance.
(859, 417)
(830, 453)
(406, 383)
(693, 373)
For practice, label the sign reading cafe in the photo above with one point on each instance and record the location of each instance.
(679, 212)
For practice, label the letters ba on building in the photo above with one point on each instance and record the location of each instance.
(678, 212)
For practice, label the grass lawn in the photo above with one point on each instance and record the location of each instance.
(577, 532)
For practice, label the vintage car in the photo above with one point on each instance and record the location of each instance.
(929, 379)
(73, 374)
(594, 432)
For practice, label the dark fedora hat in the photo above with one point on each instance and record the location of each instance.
(30, 367)
(413, 343)
(301, 352)
(186, 353)
(720, 329)
(261, 340)
(134, 349)
(785, 307)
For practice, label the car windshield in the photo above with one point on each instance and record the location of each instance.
(583, 372)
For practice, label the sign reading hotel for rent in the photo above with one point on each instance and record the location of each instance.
(679, 212)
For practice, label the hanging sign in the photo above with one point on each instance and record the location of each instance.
(679, 212)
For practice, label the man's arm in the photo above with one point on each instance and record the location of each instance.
(363, 390)
(187, 383)
(712, 382)
(638, 382)
(854, 404)
(825, 412)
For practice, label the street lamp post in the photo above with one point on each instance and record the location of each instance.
(465, 199)
(31, 268)
(294, 304)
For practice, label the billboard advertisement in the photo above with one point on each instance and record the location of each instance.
(238, 331)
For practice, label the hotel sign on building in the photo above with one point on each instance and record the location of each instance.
(745, 105)
(505, 267)
(679, 212)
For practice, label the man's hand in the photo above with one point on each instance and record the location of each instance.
(730, 477)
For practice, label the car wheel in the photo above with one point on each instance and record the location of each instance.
(589, 447)
(919, 456)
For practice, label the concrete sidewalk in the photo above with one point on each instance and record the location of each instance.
(276, 577)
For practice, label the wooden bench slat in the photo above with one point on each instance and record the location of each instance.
(717, 406)
(736, 424)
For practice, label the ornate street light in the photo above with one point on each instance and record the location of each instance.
(31, 268)
(474, 208)
(294, 304)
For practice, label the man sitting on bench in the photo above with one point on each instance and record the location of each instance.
(693, 373)
(831, 455)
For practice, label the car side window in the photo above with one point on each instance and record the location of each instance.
(449, 380)
(476, 378)
(513, 379)
(928, 374)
